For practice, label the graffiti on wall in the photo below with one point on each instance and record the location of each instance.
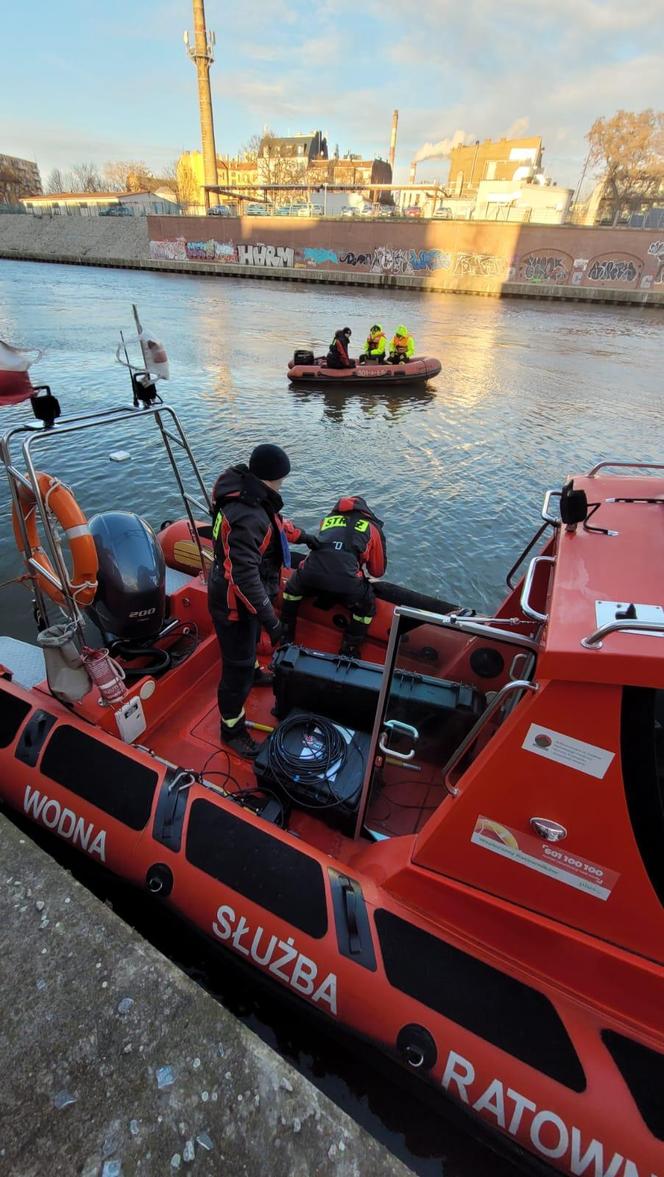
(169, 251)
(356, 259)
(539, 267)
(545, 266)
(275, 256)
(225, 251)
(611, 269)
(656, 250)
(480, 265)
(430, 260)
(317, 257)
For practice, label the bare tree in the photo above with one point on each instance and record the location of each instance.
(629, 147)
(86, 178)
(273, 167)
(56, 181)
(127, 175)
(251, 148)
(169, 177)
(187, 186)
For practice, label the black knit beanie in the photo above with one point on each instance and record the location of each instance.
(269, 462)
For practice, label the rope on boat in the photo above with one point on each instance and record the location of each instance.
(16, 579)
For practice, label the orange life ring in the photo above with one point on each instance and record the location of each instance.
(61, 502)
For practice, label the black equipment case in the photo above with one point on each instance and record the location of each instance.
(346, 690)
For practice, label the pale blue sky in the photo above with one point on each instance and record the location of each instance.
(110, 79)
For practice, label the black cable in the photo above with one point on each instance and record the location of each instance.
(241, 794)
(161, 659)
(227, 775)
(327, 749)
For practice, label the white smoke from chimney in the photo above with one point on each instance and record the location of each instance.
(518, 128)
(442, 149)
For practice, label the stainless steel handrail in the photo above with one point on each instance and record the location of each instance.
(625, 466)
(469, 625)
(545, 513)
(37, 434)
(519, 560)
(520, 684)
(449, 621)
(594, 640)
(533, 614)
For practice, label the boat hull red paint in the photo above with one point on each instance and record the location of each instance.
(515, 1000)
(395, 376)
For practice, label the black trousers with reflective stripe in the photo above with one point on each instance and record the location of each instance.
(237, 642)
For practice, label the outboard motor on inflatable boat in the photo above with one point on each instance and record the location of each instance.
(131, 599)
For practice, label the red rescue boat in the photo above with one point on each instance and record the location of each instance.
(304, 368)
(453, 847)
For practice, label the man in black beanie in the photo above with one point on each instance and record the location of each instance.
(250, 548)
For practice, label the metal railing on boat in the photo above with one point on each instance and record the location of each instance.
(593, 641)
(171, 437)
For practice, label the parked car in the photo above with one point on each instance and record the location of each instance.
(219, 210)
(413, 211)
(442, 214)
(384, 210)
(116, 210)
(256, 210)
(309, 210)
(348, 211)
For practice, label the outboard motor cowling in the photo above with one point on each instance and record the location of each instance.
(131, 598)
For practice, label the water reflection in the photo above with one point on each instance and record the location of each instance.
(396, 405)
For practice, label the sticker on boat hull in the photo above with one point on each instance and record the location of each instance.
(552, 745)
(544, 858)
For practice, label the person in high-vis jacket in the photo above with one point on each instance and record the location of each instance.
(350, 546)
(251, 545)
(402, 347)
(375, 348)
(337, 356)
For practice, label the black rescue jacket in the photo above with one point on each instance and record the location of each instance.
(250, 545)
(350, 540)
(337, 356)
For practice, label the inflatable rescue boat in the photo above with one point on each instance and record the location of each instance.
(453, 847)
(304, 368)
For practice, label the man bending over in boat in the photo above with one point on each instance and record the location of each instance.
(337, 356)
(250, 547)
(375, 347)
(402, 347)
(350, 545)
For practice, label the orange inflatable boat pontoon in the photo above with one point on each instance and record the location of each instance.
(453, 847)
(315, 371)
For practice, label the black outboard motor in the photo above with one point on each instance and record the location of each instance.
(131, 599)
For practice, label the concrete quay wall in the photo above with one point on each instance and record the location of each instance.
(461, 257)
(116, 1064)
(73, 239)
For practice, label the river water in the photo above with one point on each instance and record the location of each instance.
(529, 392)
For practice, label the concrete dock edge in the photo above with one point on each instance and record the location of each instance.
(115, 1063)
